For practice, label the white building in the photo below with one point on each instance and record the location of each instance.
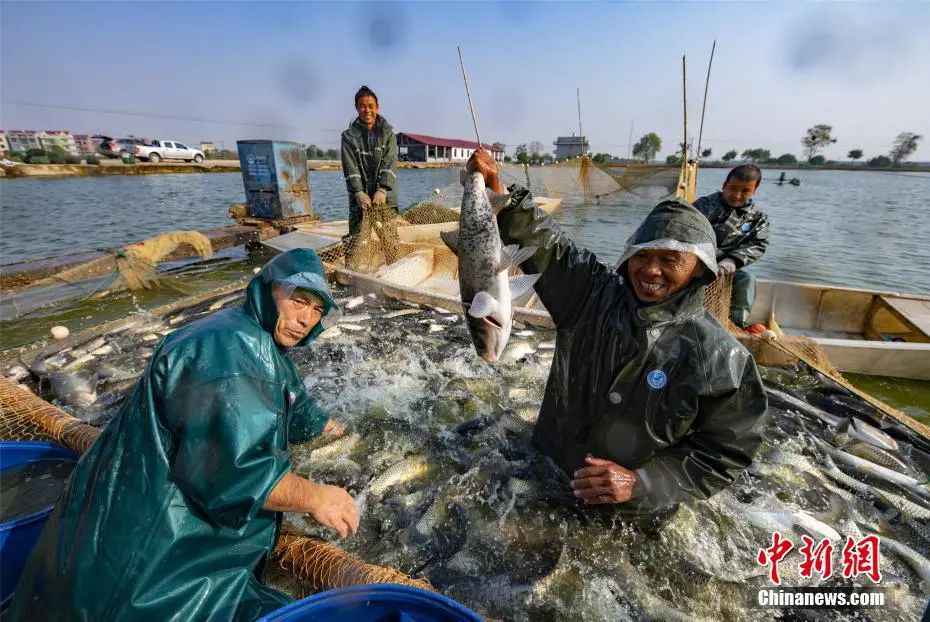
(422, 148)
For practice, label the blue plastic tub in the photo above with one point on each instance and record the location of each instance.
(375, 603)
(18, 536)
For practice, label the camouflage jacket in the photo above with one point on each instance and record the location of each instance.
(742, 233)
(369, 160)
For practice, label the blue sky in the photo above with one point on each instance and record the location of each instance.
(780, 68)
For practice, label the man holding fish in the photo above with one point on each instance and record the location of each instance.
(649, 402)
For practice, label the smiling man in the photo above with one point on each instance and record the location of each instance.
(649, 402)
(173, 510)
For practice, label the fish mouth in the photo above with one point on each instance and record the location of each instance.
(486, 334)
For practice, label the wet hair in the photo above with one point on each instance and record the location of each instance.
(745, 172)
(364, 91)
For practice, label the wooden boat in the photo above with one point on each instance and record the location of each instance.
(876, 333)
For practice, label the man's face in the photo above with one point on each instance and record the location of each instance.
(737, 193)
(298, 313)
(657, 274)
(367, 108)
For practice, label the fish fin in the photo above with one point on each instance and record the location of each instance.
(513, 255)
(522, 284)
(451, 238)
(482, 305)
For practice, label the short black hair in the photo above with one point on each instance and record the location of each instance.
(745, 172)
(364, 91)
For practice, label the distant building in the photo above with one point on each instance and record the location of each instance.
(207, 147)
(23, 140)
(58, 138)
(570, 146)
(87, 144)
(422, 148)
(4, 145)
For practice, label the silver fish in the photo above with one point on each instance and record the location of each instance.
(73, 389)
(875, 470)
(905, 506)
(915, 560)
(338, 448)
(406, 470)
(484, 263)
(861, 431)
(805, 408)
(876, 455)
(786, 520)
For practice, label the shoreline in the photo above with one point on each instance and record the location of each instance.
(108, 168)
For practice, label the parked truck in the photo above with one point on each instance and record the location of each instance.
(160, 150)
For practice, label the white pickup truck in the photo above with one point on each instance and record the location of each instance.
(160, 150)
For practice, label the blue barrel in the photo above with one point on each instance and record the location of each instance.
(18, 536)
(383, 602)
(275, 176)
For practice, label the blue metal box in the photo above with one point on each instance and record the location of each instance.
(275, 176)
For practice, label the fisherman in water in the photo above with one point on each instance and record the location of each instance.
(369, 162)
(172, 512)
(649, 402)
(742, 232)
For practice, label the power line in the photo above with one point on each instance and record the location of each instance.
(152, 115)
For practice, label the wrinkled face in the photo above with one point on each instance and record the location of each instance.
(657, 274)
(737, 193)
(367, 108)
(298, 313)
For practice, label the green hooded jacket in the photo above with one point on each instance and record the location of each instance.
(163, 517)
(369, 162)
(661, 388)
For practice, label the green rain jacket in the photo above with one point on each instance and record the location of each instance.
(742, 232)
(663, 388)
(162, 518)
(369, 162)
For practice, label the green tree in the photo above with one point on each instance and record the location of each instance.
(816, 139)
(507, 159)
(707, 153)
(332, 154)
(854, 155)
(904, 146)
(602, 158)
(673, 159)
(730, 155)
(786, 158)
(648, 146)
(756, 155)
(818, 160)
(522, 154)
(880, 161)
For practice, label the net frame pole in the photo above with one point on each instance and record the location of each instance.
(704, 107)
(471, 105)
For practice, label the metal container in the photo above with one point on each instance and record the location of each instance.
(274, 173)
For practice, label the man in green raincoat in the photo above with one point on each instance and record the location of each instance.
(369, 161)
(649, 402)
(173, 510)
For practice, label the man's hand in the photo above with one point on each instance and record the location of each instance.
(380, 198)
(334, 429)
(603, 481)
(333, 507)
(363, 200)
(482, 162)
(727, 266)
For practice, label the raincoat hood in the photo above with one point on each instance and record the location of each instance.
(296, 269)
(675, 225)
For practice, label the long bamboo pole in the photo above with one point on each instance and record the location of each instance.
(704, 107)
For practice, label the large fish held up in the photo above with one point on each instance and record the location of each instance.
(484, 264)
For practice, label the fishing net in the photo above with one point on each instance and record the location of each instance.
(25, 416)
(136, 263)
(774, 348)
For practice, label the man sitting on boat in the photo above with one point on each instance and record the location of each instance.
(172, 511)
(369, 162)
(742, 235)
(649, 402)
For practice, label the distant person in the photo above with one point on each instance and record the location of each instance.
(369, 160)
(742, 236)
